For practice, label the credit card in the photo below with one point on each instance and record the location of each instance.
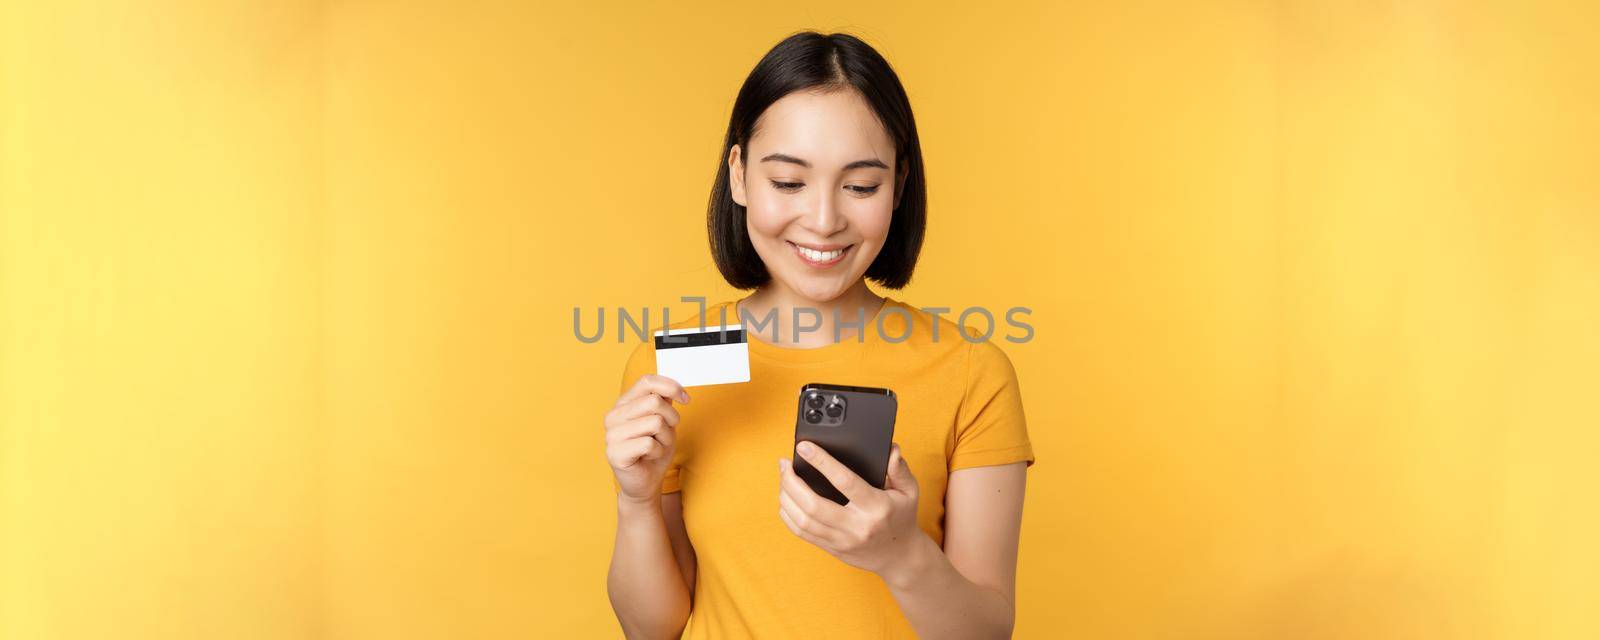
(695, 356)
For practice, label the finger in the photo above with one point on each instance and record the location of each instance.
(656, 384)
(804, 496)
(840, 476)
(629, 452)
(649, 426)
(656, 451)
(815, 520)
(802, 533)
(899, 477)
(808, 522)
(646, 405)
(799, 520)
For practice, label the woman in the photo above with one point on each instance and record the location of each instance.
(819, 188)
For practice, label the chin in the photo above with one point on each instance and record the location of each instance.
(818, 291)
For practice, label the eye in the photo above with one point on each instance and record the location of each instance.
(786, 186)
(862, 190)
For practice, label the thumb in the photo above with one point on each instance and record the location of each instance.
(899, 472)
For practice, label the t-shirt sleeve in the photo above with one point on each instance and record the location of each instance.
(643, 361)
(990, 426)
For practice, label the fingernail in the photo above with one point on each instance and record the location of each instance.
(806, 449)
(684, 396)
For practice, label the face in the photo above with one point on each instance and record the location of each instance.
(819, 183)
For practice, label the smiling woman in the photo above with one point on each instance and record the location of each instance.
(827, 117)
(855, 211)
(820, 189)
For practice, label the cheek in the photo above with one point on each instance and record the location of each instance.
(766, 215)
(871, 220)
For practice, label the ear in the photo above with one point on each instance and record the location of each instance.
(900, 182)
(736, 175)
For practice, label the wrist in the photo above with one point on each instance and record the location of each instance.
(920, 557)
(633, 507)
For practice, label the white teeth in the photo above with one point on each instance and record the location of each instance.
(819, 256)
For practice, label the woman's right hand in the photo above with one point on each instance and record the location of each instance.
(640, 435)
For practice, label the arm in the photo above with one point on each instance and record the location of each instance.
(967, 589)
(964, 590)
(651, 581)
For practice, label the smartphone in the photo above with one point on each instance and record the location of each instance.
(853, 424)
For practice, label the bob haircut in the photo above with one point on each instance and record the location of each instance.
(811, 60)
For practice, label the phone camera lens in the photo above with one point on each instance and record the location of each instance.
(813, 416)
(814, 401)
(835, 410)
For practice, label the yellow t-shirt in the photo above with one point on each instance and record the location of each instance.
(959, 407)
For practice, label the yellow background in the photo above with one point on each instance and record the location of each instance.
(287, 291)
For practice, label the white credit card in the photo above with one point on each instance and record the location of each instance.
(695, 356)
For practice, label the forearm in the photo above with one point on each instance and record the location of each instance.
(646, 586)
(941, 603)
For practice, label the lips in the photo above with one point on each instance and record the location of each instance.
(821, 255)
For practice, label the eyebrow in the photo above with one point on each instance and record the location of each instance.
(859, 164)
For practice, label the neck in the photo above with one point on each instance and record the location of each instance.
(856, 303)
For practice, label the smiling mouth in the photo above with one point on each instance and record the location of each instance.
(817, 258)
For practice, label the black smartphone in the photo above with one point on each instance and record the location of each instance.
(853, 424)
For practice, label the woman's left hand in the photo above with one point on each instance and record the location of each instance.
(877, 531)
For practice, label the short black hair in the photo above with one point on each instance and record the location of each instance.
(808, 60)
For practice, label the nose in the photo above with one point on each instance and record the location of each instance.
(824, 218)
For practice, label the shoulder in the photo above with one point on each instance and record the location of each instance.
(938, 334)
(987, 359)
(937, 329)
(924, 328)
